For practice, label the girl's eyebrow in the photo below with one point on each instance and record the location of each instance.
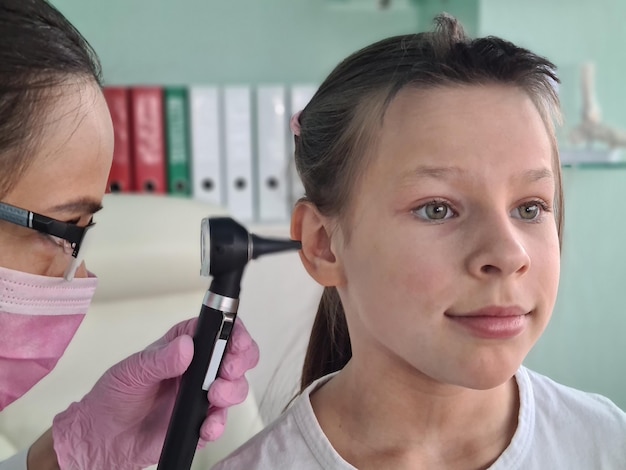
(435, 172)
(444, 172)
(81, 205)
(537, 175)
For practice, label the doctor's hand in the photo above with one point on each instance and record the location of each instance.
(121, 423)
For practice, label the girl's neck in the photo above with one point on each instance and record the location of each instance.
(374, 423)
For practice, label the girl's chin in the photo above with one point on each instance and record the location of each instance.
(487, 378)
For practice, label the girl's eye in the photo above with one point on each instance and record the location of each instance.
(435, 210)
(529, 211)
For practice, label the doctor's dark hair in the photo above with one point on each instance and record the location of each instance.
(344, 118)
(40, 51)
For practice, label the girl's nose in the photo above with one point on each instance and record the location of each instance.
(499, 250)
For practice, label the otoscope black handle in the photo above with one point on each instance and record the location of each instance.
(190, 410)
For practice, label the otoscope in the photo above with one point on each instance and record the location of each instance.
(225, 249)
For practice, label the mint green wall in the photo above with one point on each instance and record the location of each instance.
(570, 32)
(200, 41)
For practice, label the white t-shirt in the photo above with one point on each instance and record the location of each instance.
(559, 428)
(17, 462)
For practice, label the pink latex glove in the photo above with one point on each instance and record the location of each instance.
(121, 423)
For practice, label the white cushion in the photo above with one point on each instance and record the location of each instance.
(147, 244)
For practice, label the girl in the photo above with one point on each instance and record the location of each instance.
(433, 217)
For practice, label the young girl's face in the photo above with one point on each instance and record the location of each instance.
(450, 251)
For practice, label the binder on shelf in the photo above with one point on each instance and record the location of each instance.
(206, 145)
(178, 154)
(238, 152)
(121, 175)
(271, 175)
(148, 140)
(300, 95)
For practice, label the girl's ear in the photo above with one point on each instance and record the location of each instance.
(314, 231)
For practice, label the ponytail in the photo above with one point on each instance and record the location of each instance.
(329, 347)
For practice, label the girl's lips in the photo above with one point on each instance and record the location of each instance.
(493, 322)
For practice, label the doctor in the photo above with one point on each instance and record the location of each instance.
(56, 145)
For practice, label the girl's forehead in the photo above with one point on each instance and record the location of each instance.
(455, 104)
(462, 128)
(469, 118)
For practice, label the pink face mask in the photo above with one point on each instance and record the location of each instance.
(39, 316)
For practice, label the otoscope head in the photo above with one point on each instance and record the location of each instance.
(223, 246)
(226, 246)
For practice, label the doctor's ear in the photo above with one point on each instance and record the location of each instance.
(318, 255)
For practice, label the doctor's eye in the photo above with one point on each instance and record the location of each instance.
(434, 211)
(61, 243)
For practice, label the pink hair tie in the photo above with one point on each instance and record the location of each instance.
(294, 123)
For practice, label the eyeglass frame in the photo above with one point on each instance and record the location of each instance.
(67, 231)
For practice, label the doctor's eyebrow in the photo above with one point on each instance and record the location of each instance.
(82, 205)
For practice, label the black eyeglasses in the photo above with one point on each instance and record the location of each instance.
(71, 233)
